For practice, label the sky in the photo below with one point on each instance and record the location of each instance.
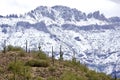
(108, 7)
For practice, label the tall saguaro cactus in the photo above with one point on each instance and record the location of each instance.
(4, 47)
(61, 53)
(39, 47)
(73, 57)
(115, 68)
(26, 46)
(53, 56)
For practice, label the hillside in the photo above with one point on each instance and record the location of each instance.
(16, 64)
(94, 38)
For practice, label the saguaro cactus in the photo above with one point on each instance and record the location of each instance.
(61, 53)
(4, 47)
(39, 47)
(73, 57)
(53, 56)
(26, 46)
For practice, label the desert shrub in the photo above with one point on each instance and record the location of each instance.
(71, 63)
(67, 63)
(10, 77)
(26, 73)
(22, 54)
(103, 76)
(92, 75)
(76, 64)
(20, 70)
(39, 78)
(52, 69)
(16, 66)
(40, 55)
(51, 78)
(37, 63)
(68, 75)
(14, 48)
(1, 70)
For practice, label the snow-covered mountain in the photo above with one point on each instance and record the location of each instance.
(94, 38)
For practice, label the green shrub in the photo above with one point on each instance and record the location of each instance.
(1, 70)
(16, 67)
(67, 63)
(52, 69)
(40, 55)
(71, 63)
(10, 77)
(37, 63)
(20, 70)
(14, 48)
(51, 78)
(103, 76)
(39, 78)
(92, 75)
(26, 73)
(76, 64)
(22, 54)
(68, 75)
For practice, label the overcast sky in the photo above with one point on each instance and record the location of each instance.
(108, 7)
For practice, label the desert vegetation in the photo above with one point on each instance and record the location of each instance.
(17, 64)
